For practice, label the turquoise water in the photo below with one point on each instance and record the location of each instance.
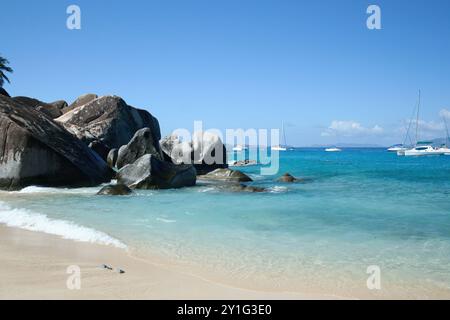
(361, 207)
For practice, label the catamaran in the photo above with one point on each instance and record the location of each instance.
(422, 148)
(444, 148)
(282, 147)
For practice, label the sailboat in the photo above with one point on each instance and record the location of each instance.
(445, 148)
(282, 147)
(422, 148)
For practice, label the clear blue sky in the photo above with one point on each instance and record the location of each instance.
(242, 63)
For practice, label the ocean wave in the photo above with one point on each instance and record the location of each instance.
(42, 190)
(278, 189)
(165, 220)
(32, 221)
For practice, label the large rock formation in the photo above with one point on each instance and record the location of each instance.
(141, 144)
(51, 110)
(109, 120)
(226, 175)
(60, 104)
(206, 151)
(3, 92)
(81, 101)
(100, 148)
(34, 150)
(149, 172)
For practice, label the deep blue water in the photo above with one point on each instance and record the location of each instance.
(361, 207)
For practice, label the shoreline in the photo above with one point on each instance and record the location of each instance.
(33, 265)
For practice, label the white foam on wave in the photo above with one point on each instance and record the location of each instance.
(207, 189)
(41, 190)
(32, 221)
(278, 189)
(165, 220)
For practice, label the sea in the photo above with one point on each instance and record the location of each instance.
(362, 223)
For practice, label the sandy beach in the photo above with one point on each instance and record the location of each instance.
(34, 266)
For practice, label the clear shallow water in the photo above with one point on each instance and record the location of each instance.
(361, 208)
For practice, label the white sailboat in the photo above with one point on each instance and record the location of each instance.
(397, 148)
(282, 147)
(422, 148)
(333, 149)
(240, 148)
(444, 148)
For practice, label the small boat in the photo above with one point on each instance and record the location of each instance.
(333, 149)
(242, 163)
(445, 147)
(282, 147)
(278, 148)
(397, 148)
(424, 149)
(240, 148)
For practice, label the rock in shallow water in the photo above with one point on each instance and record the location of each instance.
(244, 188)
(227, 175)
(142, 143)
(34, 150)
(149, 172)
(206, 151)
(115, 190)
(288, 178)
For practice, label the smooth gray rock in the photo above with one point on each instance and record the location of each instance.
(242, 188)
(34, 150)
(288, 178)
(110, 120)
(149, 172)
(115, 190)
(49, 109)
(80, 101)
(226, 175)
(60, 104)
(142, 143)
(112, 158)
(100, 148)
(206, 151)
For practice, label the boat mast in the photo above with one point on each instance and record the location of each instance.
(284, 133)
(446, 130)
(417, 120)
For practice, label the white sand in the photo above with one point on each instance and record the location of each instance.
(34, 265)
